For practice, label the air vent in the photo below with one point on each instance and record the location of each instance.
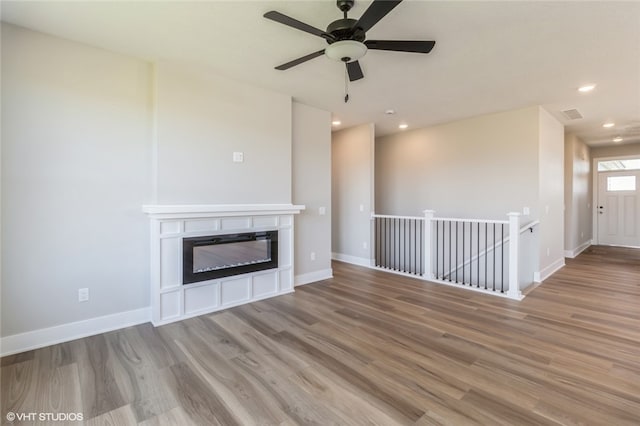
(632, 128)
(572, 114)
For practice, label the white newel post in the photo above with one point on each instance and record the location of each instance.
(426, 250)
(514, 245)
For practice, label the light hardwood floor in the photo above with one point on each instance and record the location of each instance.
(365, 347)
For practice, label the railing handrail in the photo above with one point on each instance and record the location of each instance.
(451, 219)
(505, 222)
(529, 225)
(389, 216)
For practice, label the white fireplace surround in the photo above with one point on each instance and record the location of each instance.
(171, 300)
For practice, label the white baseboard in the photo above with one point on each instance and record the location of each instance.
(312, 277)
(576, 251)
(546, 272)
(75, 330)
(362, 261)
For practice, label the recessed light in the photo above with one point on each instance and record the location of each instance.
(403, 126)
(607, 125)
(390, 111)
(617, 139)
(587, 88)
(336, 122)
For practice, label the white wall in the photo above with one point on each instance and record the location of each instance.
(577, 183)
(88, 137)
(352, 195)
(616, 150)
(202, 119)
(311, 147)
(482, 167)
(76, 138)
(551, 195)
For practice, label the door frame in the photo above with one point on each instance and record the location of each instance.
(594, 191)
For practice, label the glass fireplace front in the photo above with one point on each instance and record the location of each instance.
(216, 256)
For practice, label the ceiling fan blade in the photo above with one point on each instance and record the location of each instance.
(376, 11)
(294, 23)
(401, 45)
(354, 71)
(300, 60)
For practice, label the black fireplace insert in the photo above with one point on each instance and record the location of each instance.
(217, 256)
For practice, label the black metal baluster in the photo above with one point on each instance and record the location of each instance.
(409, 249)
(437, 244)
(376, 227)
(398, 227)
(463, 262)
(393, 240)
(389, 242)
(400, 244)
(415, 247)
(450, 273)
(397, 233)
(471, 253)
(444, 237)
(422, 223)
(387, 261)
(502, 256)
(455, 250)
(379, 244)
(494, 257)
(406, 248)
(478, 256)
(486, 255)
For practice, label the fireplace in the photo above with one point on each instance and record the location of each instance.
(217, 256)
(179, 291)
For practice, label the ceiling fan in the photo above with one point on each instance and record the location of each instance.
(347, 37)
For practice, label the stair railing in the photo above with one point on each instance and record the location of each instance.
(477, 254)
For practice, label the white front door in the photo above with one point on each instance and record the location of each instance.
(618, 208)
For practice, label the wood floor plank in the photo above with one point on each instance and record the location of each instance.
(163, 354)
(299, 406)
(100, 391)
(18, 389)
(174, 417)
(349, 406)
(135, 373)
(17, 358)
(118, 417)
(198, 400)
(237, 392)
(365, 347)
(359, 380)
(58, 390)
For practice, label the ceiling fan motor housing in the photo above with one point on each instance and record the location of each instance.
(344, 29)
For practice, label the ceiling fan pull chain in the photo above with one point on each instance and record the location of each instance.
(346, 86)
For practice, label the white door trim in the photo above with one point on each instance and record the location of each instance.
(594, 191)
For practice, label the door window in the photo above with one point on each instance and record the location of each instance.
(621, 183)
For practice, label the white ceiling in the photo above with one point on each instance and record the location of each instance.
(489, 56)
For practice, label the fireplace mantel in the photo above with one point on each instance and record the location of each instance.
(177, 211)
(170, 224)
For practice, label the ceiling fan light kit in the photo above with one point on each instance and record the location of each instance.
(346, 50)
(346, 38)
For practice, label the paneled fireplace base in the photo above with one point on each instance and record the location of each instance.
(171, 300)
